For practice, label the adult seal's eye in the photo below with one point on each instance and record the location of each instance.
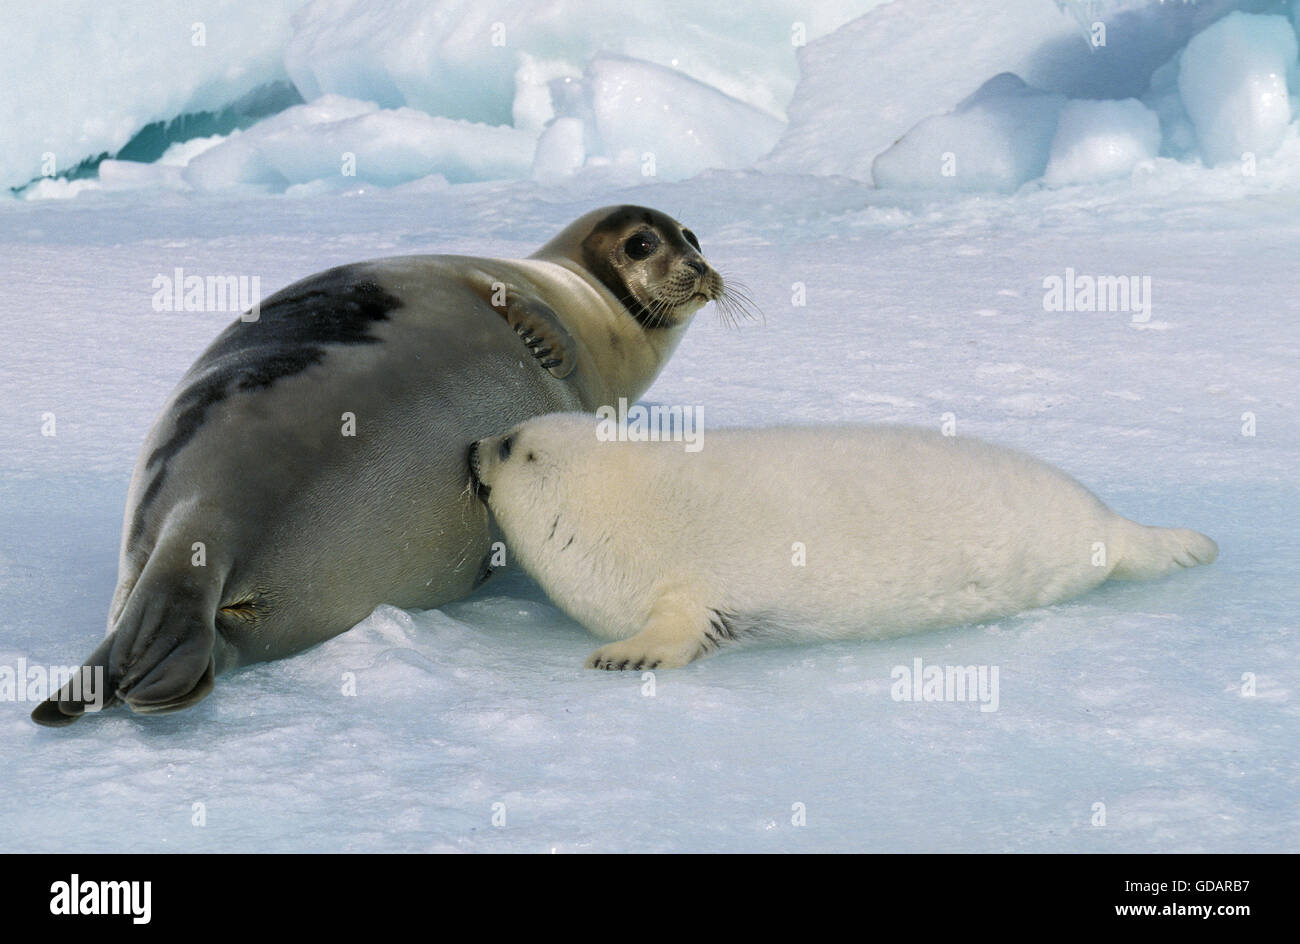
(503, 450)
(641, 245)
(690, 238)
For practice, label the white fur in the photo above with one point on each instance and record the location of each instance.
(904, 530)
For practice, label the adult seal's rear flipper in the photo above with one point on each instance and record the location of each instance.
(160, 657)
(88, 690)
(542, 333)
(168, 686)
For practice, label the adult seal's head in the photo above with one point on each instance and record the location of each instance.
(648, 261)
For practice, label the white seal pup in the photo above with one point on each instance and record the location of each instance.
(799, 533)
(311, 464)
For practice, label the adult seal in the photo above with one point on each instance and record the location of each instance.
(311, 464)
(799, 534)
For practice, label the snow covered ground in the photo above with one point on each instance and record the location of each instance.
(474, 728)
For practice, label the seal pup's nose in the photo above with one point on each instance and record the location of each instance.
(481, 490)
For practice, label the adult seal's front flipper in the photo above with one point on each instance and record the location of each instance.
(541, 331)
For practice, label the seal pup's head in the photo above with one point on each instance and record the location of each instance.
(644, 258)
(532, 466)
(559, 494)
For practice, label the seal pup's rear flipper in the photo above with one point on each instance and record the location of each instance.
(1153, 552)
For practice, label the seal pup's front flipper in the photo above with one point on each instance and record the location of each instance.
(680, 630)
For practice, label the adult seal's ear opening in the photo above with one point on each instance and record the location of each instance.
(308, 521)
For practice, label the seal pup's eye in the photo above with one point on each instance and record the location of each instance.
(642, 245)
(690, 238)
(503, 450)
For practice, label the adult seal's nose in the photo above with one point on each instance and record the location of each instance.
(696, 265)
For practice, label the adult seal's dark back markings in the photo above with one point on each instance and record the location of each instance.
(304, 529)
(337, 306)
